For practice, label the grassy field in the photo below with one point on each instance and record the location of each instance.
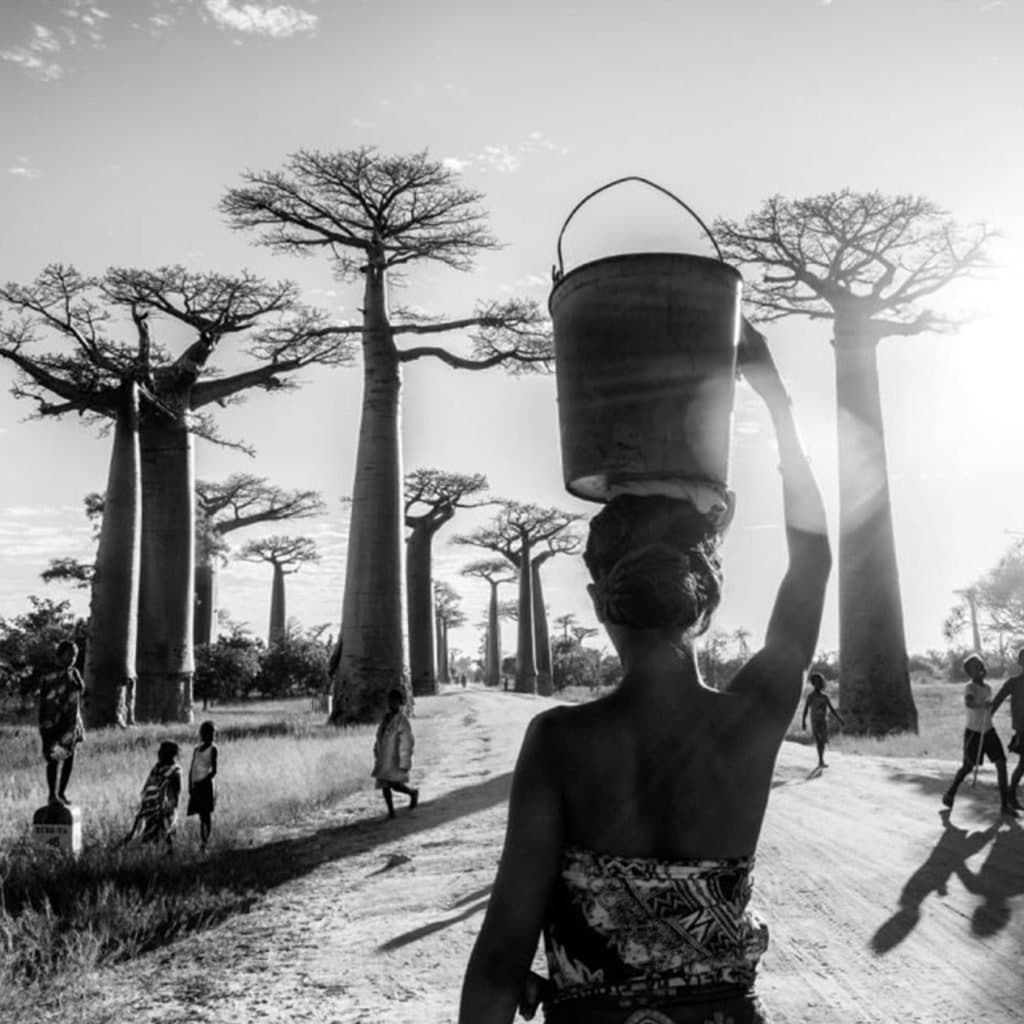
(278, 763)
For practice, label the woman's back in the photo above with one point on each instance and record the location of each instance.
(646, 772)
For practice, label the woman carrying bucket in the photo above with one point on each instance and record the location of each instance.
(634, 819)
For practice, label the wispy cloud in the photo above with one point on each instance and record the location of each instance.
(278, 20)
(23, 168)
(503, 157)
(525, 283)
(35, 56)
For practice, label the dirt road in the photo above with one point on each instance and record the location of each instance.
(880, 909)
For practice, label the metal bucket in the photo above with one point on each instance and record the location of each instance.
(645, 363)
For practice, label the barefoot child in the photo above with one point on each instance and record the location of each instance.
(201, 791)
(158, 809)
(392, 753)
(980, 739)
(819, 705)
(60, 720)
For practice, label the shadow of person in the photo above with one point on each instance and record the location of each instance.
(948, 858)
(998, 880)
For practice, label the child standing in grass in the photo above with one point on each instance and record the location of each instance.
(158, 808)
(60, 720)
(819, 706)
(392, 753)
(201, 791)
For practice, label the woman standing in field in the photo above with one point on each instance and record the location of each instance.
(392, 753)
(634, 819)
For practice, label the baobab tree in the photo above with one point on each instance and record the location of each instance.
(432, 497)
(447, 615)
(287, 555)
(495, 571)
(564, 543)
(376, 215)
(516, 533)
(93, 379)
(237, 503)
(869, 263)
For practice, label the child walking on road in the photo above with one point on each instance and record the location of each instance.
(202, 794)
(819, 706)
(980, 739)
(392, 753)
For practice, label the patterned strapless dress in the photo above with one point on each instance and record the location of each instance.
(643, 941)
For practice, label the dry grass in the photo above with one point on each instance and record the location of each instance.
(277, 764)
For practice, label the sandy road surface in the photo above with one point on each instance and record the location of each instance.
(880, 908)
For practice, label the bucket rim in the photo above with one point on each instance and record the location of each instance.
(635, 256)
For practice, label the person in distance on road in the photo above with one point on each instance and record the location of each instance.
(819, 705)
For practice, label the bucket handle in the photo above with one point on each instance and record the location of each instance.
(558, 272)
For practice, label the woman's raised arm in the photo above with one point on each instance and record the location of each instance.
(796, 616)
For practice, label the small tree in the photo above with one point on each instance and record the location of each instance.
(294, 664)
(431, 500)
(28, 644)
(515, 534)
(992, 606)
(376, 216)
(868, 263)
(495, 572)
(286, 555)
(447, 615)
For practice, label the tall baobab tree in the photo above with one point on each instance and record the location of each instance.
(376, 215)
(92, 379)
(448, 615)
(286, 555)
(564, 543)
(495, 571)
(432, 497)
(515, 533)
(239, 502)
(869, 263)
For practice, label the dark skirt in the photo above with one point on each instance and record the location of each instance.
(202, 799)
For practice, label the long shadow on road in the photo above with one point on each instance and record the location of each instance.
(999, 880)
(275, 863)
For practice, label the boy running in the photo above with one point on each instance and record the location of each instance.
(819, 706)
(980, 739)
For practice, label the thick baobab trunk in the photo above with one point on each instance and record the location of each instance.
(420, 595)
(114, 608)
(526, 670)
(164, 662)
(493, 659)
(204, 628)
(541, 637)
(373, 659)
(874, 682)
(278, 619)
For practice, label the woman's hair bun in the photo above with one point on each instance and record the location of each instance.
(655, 563)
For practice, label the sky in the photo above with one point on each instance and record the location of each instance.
(123, 123)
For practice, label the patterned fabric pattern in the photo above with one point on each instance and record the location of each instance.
(639, 930)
